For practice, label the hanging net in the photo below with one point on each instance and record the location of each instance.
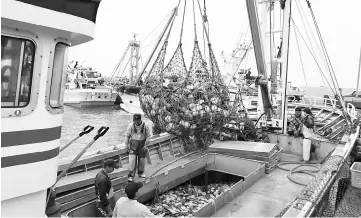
(186, 103)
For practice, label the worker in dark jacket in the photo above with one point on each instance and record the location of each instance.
(104, 191)
(295, 126)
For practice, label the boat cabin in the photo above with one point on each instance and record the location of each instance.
(35, 40)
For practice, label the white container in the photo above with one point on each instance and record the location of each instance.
(356, 174)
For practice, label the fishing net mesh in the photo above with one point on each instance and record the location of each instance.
(331, 192)
(186, 103)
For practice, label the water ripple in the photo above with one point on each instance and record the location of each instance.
(75, 119)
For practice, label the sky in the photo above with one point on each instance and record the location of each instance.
(117, 20)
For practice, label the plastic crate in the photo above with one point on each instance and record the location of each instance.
(356, 174)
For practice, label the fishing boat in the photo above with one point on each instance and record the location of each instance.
(35, 40)
(128, 88)
(253, 166)
(85, 88)
(256, 167)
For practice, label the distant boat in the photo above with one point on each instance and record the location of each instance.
(85, 88)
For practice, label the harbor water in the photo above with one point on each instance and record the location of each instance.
(117, 120)
(75, 119)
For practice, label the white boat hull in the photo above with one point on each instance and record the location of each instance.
(131, 103)
(89, 97)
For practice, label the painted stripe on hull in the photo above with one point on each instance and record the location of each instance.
(28, 158)
(30, 136)
(90, 104)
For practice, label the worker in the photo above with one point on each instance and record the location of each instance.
(307, 130)
(137, 139)
(105, 201)
(295, 126)
(129, 206)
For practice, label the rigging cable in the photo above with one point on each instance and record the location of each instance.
(205, 20)
(120, 62)
(156, 27)
(242, 58)
(184, 12)
(314, 58)
(304, 25)
(140, 57)
(338, 97)
(300, 10)
(299, 53)
(125, 67)
(204, 26)
(195, 27)
(332, 72)
(270, 40)
(165, 40)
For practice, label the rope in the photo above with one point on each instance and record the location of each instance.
(140, 57)
(299, 53)
(184, 12)
(125, 67)
(195, 26)
(120, 62)
(270, 36)
(205, 20)
(332, 73)
(156, 27)
(204, 26)
(156, 193)
(314, 58)
(170, 29)
(304, 25)
(308, 37)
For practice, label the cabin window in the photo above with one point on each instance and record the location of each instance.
(17, 63)
(59, 76)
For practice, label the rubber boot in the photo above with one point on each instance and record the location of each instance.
(53, 208)
(131, 167)
(306, 150)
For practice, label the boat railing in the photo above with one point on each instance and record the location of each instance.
(317, 101)
(95, 160)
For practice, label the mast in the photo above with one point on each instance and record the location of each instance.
(284, 60)
(258, 47)
(358, 76)
(134, 59)
(256, 37)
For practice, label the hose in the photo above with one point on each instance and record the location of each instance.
(259, 119)
(316, 164)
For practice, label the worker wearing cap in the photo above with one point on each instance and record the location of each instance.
(137, 139)
(295, 126)
(129, 206)
(104, 191)
(307, 130)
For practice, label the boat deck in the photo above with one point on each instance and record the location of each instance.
(267, 197)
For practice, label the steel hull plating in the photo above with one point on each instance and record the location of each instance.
(90, 98)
